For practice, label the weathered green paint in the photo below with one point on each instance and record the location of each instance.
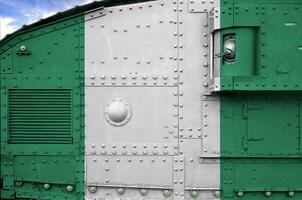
(260, 120)
(42, 112)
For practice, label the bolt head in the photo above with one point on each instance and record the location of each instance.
(18, 183)
(240, 194)
(268, 194)
(120, 191)
(217, 193)
(194, 193)
(69, 188)
(291, 193)
(92, 189)
(22, 48)
(143, 191)
(46, 186)
(167, 193)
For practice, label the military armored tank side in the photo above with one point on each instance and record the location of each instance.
(166, 99)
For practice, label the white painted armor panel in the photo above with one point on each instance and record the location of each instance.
(147, 77)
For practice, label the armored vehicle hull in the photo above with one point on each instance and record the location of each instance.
(167, 99)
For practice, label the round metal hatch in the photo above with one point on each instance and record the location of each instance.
(117, 112)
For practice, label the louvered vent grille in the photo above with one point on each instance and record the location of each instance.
(40, 116)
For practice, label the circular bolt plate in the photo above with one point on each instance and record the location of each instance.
(117, 112)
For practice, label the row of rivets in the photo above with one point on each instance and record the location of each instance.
(267, 194)
(122, 191)
(46, 186)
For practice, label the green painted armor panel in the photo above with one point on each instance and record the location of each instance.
(268, 47)
(259, 127)
(42, 100)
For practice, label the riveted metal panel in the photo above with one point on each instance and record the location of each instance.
(197, 6)
(41, 99)
(151, 130)
(211, 127)
(129, 171)
(132, 45)
(193, 72)
(200, 174)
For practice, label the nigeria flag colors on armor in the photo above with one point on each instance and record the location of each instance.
(167, 99)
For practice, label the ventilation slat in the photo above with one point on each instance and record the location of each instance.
(40, 116)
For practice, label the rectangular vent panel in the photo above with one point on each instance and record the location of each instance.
(40, 116)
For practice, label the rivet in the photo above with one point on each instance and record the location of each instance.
(291, 193)
(46, 186)
(194, 193)
(92, 189)
(240, 194)
(268, 194)
(120, 190)
(69, 188)
(143, 191)
(167, 193)
(18, 183)
(217, 193)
